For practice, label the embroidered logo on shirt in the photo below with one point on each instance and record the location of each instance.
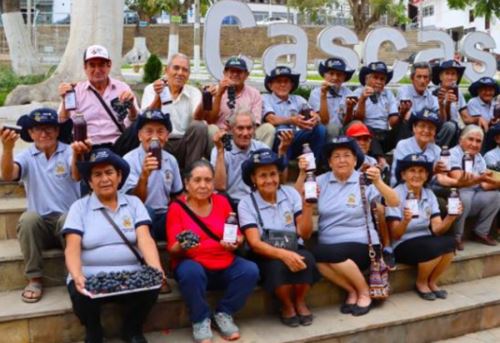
(351, 200)
(127, 223)
(288, 218)
(428, 212)
(60, 169)
(169, 176)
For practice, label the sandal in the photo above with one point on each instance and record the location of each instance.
(36, 290)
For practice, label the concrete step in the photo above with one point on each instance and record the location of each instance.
(484, 336)
(470, 307)
(11, 189)
(10, 210)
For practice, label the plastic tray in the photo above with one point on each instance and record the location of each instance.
(128, 291)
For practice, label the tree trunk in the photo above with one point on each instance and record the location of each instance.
(92, 22)
(173, 37)
(24, 59)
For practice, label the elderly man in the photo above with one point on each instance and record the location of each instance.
(108, 105)
(232, 93)
(47, 169)
(227, 163)
(188, 141)
(415, 98)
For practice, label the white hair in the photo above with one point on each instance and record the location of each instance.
(471, 129)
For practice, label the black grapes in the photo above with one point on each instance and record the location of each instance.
(103, 283)
(188, 239)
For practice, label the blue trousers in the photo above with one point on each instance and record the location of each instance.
(315, 137)
(237, 281)
(157, 230)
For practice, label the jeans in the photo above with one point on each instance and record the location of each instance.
(315, 137)
(238, 281)
(158, 229)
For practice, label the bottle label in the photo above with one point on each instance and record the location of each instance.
(310, 190)
(230, 233)
(468, 166)
(311, 161)
(453, 205)
(165, 96)
(412, 204)
(70, 101)
(446, 161)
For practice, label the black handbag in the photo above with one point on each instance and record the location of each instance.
(128, 139)
(277, 238)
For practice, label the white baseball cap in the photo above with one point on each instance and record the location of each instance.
(96, 51)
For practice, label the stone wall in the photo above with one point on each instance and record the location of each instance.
(51, 41)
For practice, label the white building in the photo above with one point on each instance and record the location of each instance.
(437, 14)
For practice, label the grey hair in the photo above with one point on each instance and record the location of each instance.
(420, 65)
(244, 112)
(181, 55)
(472, 128)
(203, 163)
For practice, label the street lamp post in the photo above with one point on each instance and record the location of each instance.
(196, 38)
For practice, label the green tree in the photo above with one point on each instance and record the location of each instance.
(310, 8)
(146, 9)
(482, 8)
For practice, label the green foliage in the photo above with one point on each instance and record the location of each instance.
(482, 8)
(152, 69)
(309, 7)
(303, 92)
(9, 80)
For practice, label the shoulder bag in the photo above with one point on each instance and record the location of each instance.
(379, 272)
(197, 220)
(277, 238)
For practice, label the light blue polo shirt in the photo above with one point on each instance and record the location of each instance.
(278, 216)
(419, 101)
(233, 160)
(341, 214)
(456, 107)
(377, 115)
(161, 183)
(478, 107)
(409, 146)
(48, 183)
(492, 157)
(428, 208)
(456, 159)
(335, 104)
(282, 108)
(103, 250)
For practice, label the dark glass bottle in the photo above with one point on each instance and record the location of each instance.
(467, 163)
(165, 96)
(305, 111)
(79, 128)
(412, 203)
(207, 99)
(453, 202)
(70, 100)
(155, 149)
(309, 156)
(310, 189)
(445, 157)
(231, 229)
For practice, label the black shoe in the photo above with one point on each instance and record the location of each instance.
(360, 310)
(306, 320)
(292, 322)
(389, 260)
(139, 338)
(440, 293)
(425, 295)
(347, 308)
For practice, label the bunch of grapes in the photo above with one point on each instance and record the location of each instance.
(188, 239)
(122, 281)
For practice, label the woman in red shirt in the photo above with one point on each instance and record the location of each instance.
(202, 260)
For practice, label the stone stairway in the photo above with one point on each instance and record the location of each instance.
(473, 281)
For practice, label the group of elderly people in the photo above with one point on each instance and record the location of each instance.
(131, 202)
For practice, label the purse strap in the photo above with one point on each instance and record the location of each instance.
(108, 110)
(122, 236)
(364, 200)
(259, 218)
(197, 220)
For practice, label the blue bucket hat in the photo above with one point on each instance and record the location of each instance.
(375, 67)
(484, 82)
(44, 116)
(260, 157)
(154, 116)
(494, 130)
(335, 64)
(413, 160)
(106, 156)
(425, 115)
(236, 63)
(344, 142)
(449, 64)
(282, 71)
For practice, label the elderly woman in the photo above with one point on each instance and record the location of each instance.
(479, 193)
(275, 220)
(414, 243)
(342, 250)
(208, 262)
(93, 244)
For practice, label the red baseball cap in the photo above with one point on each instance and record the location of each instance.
(357, 129)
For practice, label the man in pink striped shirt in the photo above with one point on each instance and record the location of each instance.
(101, 129)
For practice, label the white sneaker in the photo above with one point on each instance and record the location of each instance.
(202, 330)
